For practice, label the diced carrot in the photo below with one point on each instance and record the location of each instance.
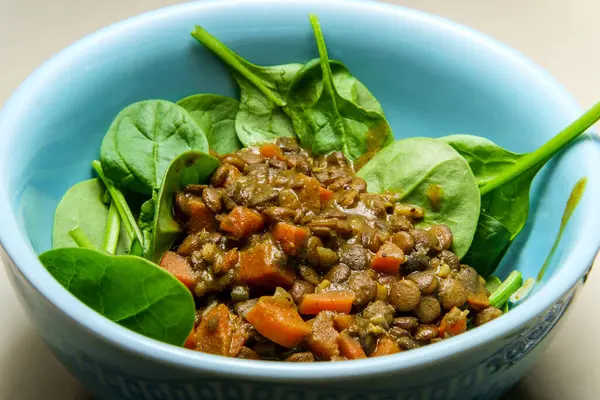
(278, 322)
(225, 262)
(215, 332)
(179, 268)
(199, 215)
(335, 300)
(190, 342)
(292, 238)
(478, 301)
(350, 348)
(385, 346)
(454, 323)
(323, 338)
(388, 259)
(343, 321)
(263, 265)
(271, 150)
(325, 194)
(242, 222)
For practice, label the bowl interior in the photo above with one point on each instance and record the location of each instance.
(432, 78)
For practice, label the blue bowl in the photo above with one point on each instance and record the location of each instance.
(432, 77)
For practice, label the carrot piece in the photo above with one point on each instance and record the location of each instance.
(385, 346)
(278, 322)
(350, 348)
(335, 300)
(190, 342)
(388, 259)
(325, 194)
(179, 268)
(199, 215)
(264, 265)
(215, 332)
(323, 338)
(242, 222)
(292, 238)
(454, 323)
(343, 321)
(478, 301)
(271, 150)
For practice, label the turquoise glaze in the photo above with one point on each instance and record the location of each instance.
(432, 77)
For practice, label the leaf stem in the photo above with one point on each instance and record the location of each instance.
(324, 57)
(540, 156)
(112, 230)
(133, 231)
(509, 286)
(234, 61)
(81, 239)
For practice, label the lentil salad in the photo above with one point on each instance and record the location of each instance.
(289, 225)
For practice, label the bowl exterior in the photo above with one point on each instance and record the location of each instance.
(110, 373)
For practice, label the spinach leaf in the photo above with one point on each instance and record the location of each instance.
(263, 92)
(215, 114)
(133, 231)
(144, 139)
(325, 121)
(409, 167)
(82, 206)
(489, 244)
(128, 290)
(189, 167)
(112, 230)
(508, 204)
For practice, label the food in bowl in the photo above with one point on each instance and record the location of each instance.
(289, 225)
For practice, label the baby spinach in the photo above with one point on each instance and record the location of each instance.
(82, 206)
(408, 167)
(189, 167)
(262, 93)
(112, 230)
(133, 231)
(215, 114)
(144, 139)
(325, 121)
(509, 204)
(504, 179)
(489, 245)
(128, 290)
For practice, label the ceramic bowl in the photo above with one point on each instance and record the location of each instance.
(432, 77)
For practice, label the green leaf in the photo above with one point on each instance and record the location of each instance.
(508, 204)
(263, 92)
(128, 290)
(144, 139)
(82, 206)
(410, 167)
(128, 220)
(189, 167)
(489, 244)
(215, 114)
(324, 120)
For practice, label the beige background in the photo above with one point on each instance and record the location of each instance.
(560, 35)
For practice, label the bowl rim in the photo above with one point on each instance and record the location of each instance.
(19, 250)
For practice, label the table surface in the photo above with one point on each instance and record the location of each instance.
(557, 34)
